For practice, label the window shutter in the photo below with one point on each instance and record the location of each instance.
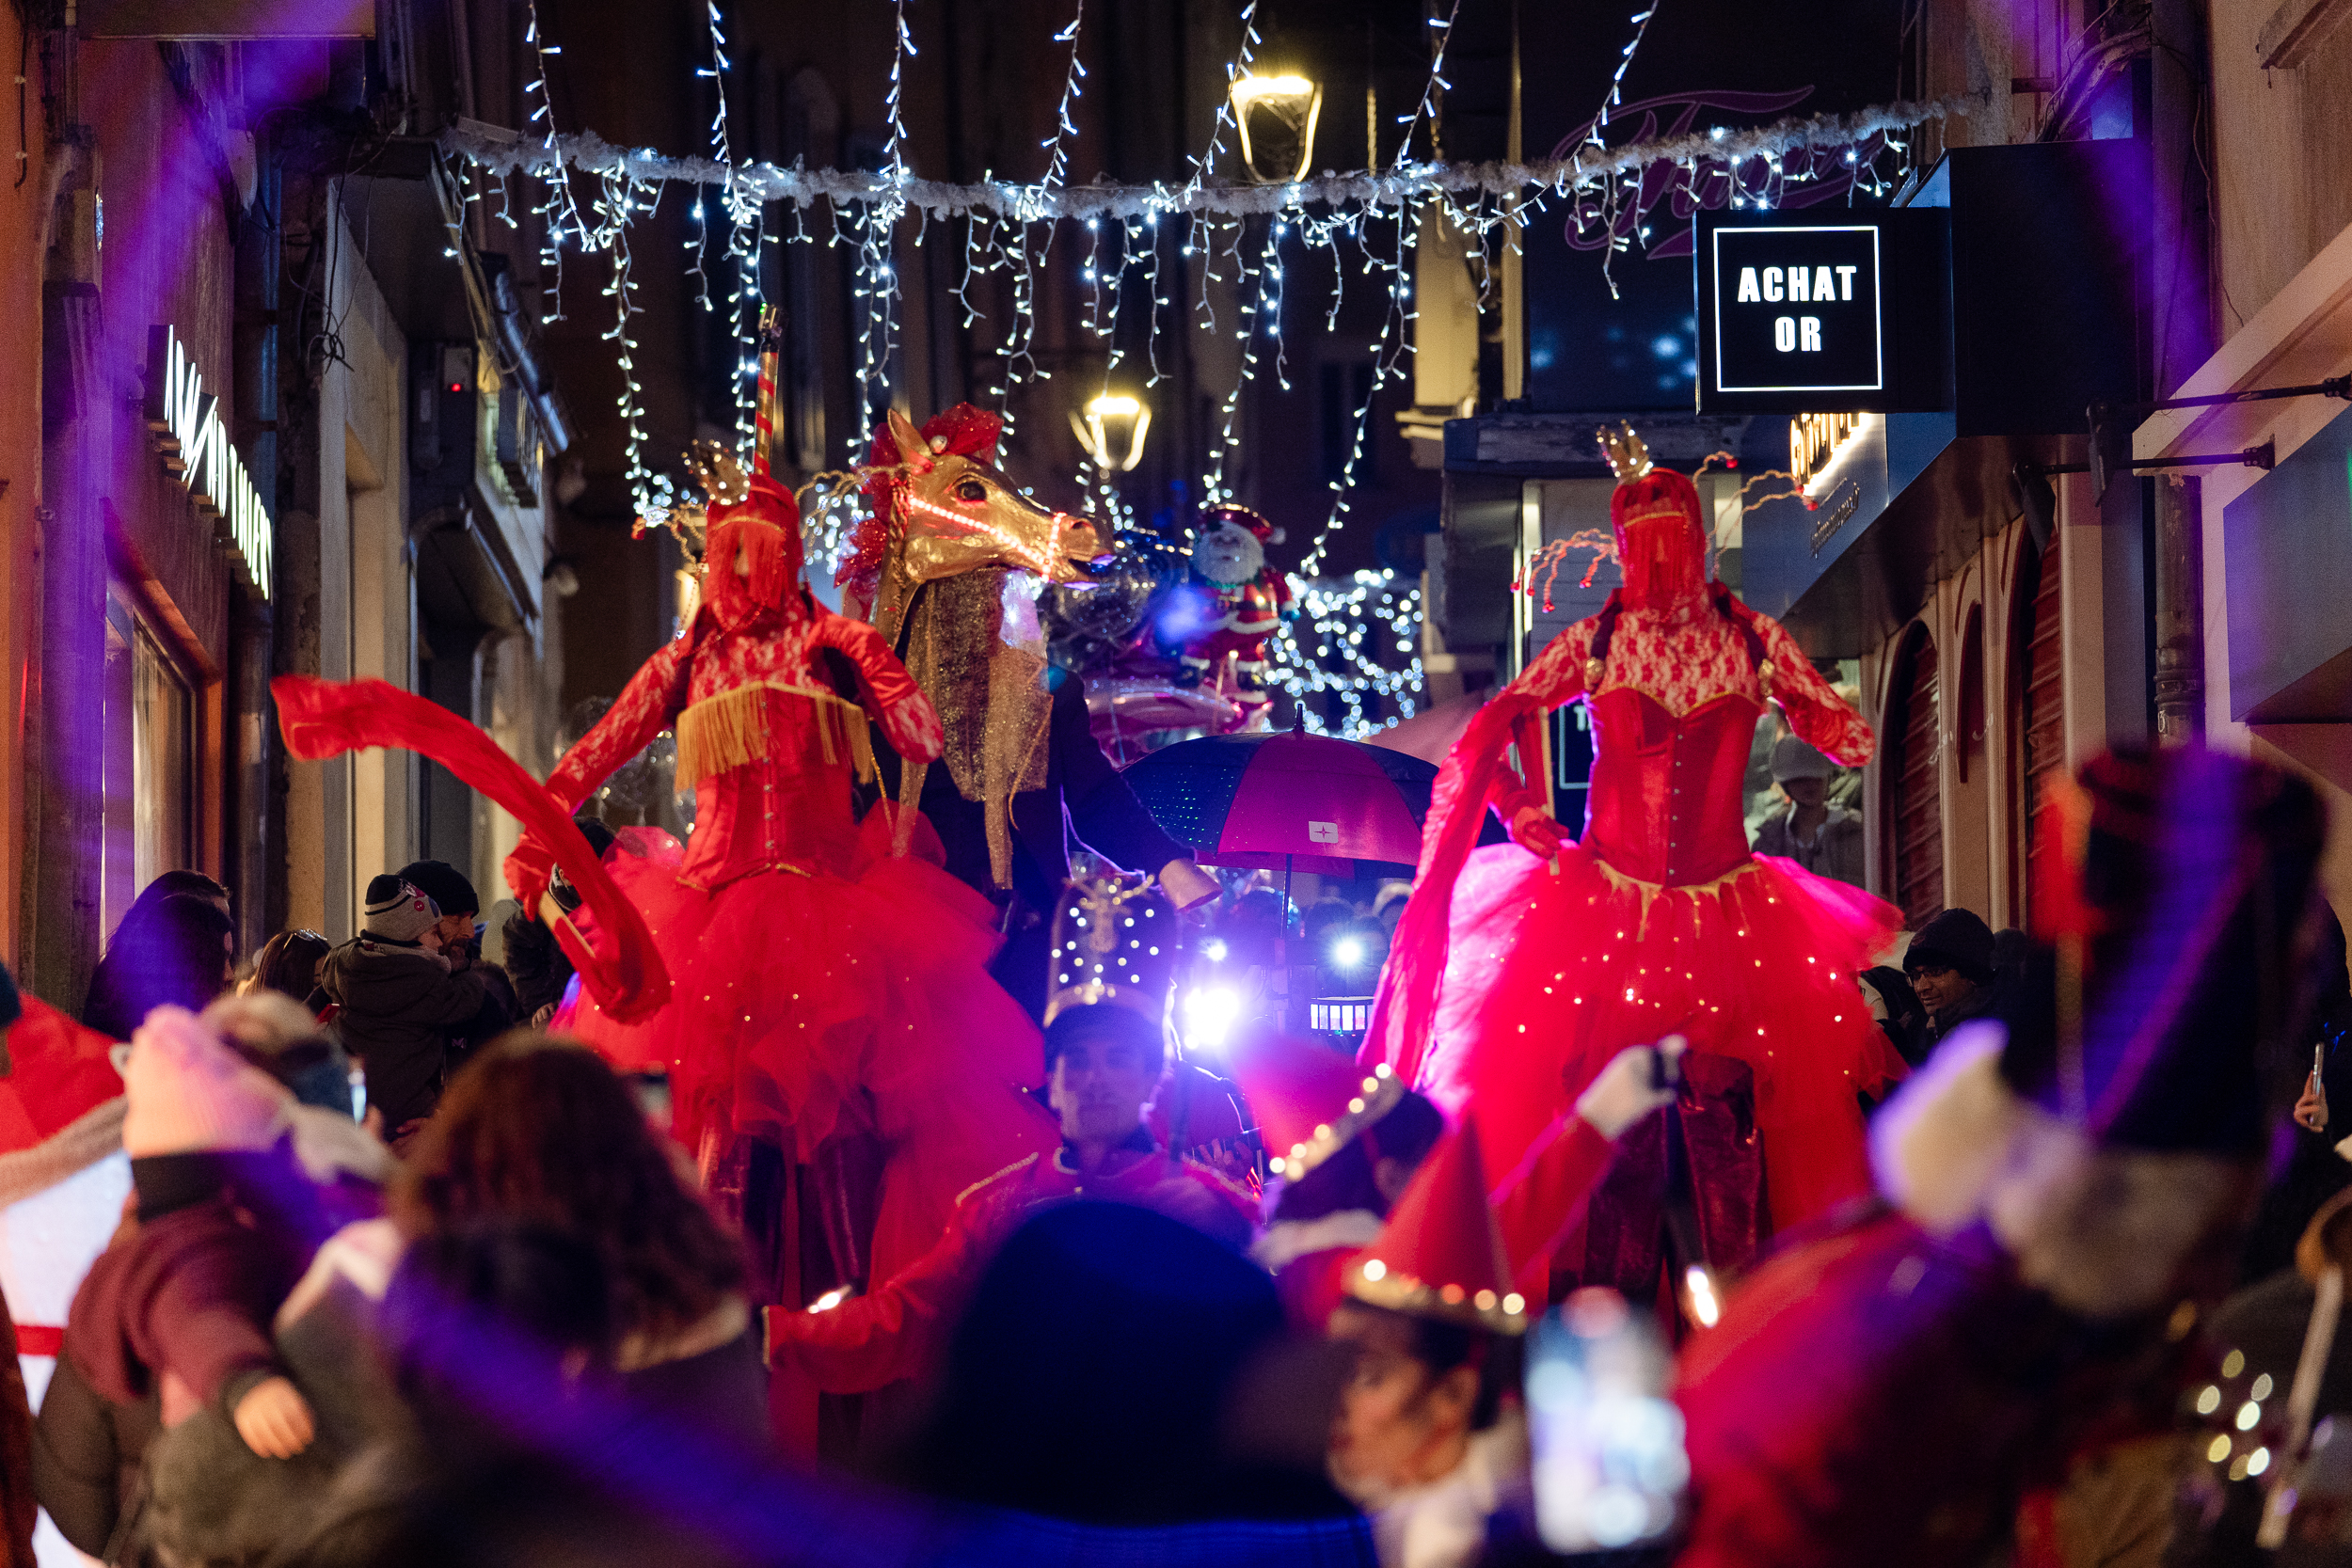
(1918, 792)
(2045, 713)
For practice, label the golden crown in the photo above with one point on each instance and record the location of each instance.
(1627, 452)
(722, 480)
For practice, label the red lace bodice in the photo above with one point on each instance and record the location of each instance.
(1671, 726)
(790, 807)
(1665, 798)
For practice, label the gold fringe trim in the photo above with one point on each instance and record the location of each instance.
(734, 727)
(1649, 891)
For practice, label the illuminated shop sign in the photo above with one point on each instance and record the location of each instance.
(1796, 309)
(192, 440)
(1844, 314)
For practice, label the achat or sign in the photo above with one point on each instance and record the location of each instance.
(1796, 309)
(194, 441)
(1843, 312)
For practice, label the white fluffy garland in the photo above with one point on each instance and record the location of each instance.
(503, 151)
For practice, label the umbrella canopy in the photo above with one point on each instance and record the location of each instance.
(1272, 801)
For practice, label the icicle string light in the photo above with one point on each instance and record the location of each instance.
(1427, 107)
(1355, 641)
(876, 287)
(1593, 142)
(557, 208)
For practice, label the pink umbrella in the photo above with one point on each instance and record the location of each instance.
(1287, 801)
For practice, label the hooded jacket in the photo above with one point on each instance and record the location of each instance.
(400, 1005)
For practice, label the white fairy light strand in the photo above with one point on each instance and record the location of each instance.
(556, 207)
(1437, 83)
(877, 283)
(1593, 140)
(746, 231)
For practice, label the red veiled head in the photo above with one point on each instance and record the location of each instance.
(1661, 545)
(752, 556)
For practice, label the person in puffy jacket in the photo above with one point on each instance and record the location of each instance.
(400, 1001)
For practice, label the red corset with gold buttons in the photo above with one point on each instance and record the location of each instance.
(789, 809)
(1665, 798)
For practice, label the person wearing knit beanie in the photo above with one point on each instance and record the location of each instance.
(396, 911)
(401, 1001)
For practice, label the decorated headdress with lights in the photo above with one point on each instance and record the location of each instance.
(964, 430)
(1311, 1101)
(749, 518)
(1116, 939)
(1441, 1253)
(1656, 516)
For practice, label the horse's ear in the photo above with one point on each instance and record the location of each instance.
(911, 447)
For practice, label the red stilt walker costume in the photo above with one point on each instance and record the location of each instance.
(822, 985)
(1514, 977)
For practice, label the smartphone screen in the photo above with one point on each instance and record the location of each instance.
(1610, 1468)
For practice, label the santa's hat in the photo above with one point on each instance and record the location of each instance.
(1241, 516)
(1310, 1100)
(2108, 1117)
(1440, 1255)
(189, 1093)
(2186, 879)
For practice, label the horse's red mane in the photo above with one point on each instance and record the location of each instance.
(962, 431)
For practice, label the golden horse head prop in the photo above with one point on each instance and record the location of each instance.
(941, 508)
(946, 565)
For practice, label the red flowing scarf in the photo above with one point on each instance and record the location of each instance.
(621, 968)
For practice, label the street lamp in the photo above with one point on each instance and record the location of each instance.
(1111, 421)
(1285, 108)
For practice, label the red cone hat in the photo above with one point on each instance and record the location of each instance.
(1310, 1100)
(1440, 1255)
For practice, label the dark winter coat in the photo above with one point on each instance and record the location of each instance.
(215, 1502)
(400, 1007)
(17, 1505)
(1084, 796)
(88, 1456)
(536, 964)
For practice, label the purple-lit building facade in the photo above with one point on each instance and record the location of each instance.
(292, 418)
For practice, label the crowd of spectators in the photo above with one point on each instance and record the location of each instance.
(370, 1305)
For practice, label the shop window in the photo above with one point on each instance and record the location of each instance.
(2041, 749)
(147, 724)
(1915, 786)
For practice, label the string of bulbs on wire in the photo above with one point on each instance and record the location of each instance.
(1367, 223)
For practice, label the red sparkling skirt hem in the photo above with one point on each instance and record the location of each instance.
(810, 1006)
(1548, 975)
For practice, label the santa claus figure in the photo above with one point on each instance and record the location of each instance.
(1252, 600)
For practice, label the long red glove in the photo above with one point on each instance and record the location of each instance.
(1406, 1007)
(621, 968)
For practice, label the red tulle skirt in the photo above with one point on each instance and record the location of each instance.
(1549, 976)
(806, 1007)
